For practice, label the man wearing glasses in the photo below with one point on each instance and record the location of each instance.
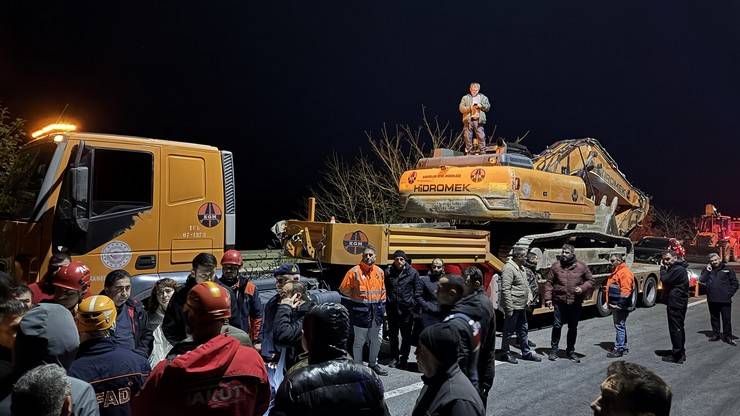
(363, 293)
(204, 270)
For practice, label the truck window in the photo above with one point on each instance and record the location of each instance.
(121, 181)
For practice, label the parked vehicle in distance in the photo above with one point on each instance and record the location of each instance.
(649, 249)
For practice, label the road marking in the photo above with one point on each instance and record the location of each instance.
(696, 303)
(418, 385)
(403, 390)
(412, 387)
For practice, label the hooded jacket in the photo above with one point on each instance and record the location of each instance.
(331, 383)
(399, 287)
(219, 377)
(48, 334)
(479, 366)
(116, 374)
(721, 283)
(515, 292)
(562, 280)
(425, 295)
(173, 324)
(675, 281)
(448, 393)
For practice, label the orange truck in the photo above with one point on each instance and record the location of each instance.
(716, 233)
(117, 202)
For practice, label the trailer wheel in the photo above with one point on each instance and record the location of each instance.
(602, 308)
(649, 292)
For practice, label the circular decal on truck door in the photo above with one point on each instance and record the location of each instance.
(116, 255)
(209, 214)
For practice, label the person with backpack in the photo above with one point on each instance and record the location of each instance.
(620, 290)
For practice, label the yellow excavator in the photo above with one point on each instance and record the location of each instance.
(472, 209)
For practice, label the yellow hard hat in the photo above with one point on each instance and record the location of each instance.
(96, 313)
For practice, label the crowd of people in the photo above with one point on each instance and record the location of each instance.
(211, 347)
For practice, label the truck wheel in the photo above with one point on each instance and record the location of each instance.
(649, 292)
(602, 308)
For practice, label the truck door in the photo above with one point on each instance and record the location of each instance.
(107, 213)
(193, 210)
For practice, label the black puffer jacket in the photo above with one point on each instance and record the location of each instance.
(721, 283)
(399, 288)
(335, 387)
(480, 368)
(331, 383)
(675, 281)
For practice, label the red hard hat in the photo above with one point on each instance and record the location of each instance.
(74, 276)
(232, 257)
(209, 301)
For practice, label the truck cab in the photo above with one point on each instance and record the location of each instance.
(116, 202)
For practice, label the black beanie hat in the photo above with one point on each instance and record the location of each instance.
(441, 340)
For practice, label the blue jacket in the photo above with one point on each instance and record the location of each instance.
(116, 374)
(134, 311)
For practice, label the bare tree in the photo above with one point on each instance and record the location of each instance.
(671, 225)
(366, 190)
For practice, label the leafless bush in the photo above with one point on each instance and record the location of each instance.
(365, 190)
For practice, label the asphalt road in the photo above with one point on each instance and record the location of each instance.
(706, 384)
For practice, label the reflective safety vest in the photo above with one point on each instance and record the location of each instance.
(362, 287)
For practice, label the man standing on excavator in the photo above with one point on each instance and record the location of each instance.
(474, 107)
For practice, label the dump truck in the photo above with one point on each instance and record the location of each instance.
(572, 192)
(117, 202)
(716, 233)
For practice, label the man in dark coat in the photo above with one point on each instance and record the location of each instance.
(204, 270)
(332, 383)
(474, 318)
(568, 284)
(132, 325)
(400, 283)
(425, 295)
(721, 284)
(446, 391)
(675, 281)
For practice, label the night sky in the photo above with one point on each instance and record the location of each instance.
(283, 84)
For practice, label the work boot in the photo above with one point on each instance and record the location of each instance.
(378, 370)
(532, 357)
(714, 338)
(553, 355)
(674, 359)
(729, 340)
(663, 353)
(510, 359)
(615, 353)
(393, 363)
(403, 363)
(573, 357)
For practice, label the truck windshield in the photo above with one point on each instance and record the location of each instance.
(24, 181)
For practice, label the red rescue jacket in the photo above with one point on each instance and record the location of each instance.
(219, 377)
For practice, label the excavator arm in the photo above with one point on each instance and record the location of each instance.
(587, 159)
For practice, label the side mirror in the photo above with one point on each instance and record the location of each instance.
(79, 184)
(80, 188)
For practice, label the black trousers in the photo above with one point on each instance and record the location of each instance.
(676, 317)
(565, 314)
(724, 309)
(403, 323)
